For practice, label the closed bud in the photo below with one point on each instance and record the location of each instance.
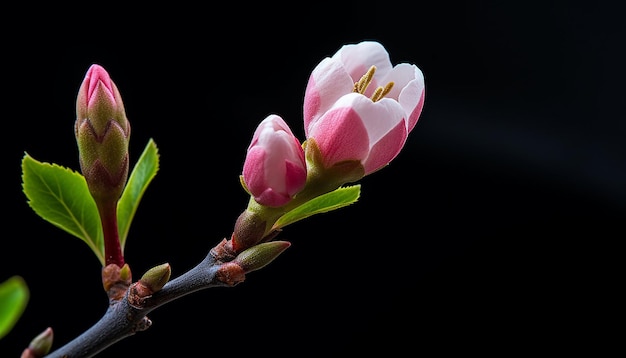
(260, 255)
(274, 170)
(155, 278)
(151, 282)
(102, 133)
(40, 345)
(249, 230)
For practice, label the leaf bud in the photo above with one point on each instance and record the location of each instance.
(155, 278)
(260, 255)
(40, 345)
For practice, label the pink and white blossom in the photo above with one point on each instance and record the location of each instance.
(275, 169)
(358, 106)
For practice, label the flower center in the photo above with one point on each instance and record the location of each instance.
(365, 81)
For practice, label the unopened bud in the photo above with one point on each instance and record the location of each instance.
(274, 170)
(260, 255)
(102, 133)
(155, 278)
(40, 345)
(125, 274)
(249, 230)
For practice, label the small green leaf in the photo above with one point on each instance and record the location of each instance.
(14, 296)
(336, 199)
(60, 196)
(142, 174)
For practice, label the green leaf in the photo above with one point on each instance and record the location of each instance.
(336, 199)
(60, 196)
(14, 296)
(142, 174)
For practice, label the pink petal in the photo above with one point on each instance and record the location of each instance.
(327, 83)
(253, 170)
(386, 149)
(408, 89)
(378, 117)
(385, 127)
(295, 177)
(97, 75)
(270, 197)
(414, 115)
(341, 136)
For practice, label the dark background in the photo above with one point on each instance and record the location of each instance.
(491, 233)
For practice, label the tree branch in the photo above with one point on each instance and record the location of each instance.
(123, 319)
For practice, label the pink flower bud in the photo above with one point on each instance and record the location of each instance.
(102, 134)
(275, 169)
(357, 130)
(100, 102)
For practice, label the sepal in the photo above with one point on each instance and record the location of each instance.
(322, 179)
(243, 185)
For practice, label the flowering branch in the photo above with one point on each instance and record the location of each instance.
(358, 111)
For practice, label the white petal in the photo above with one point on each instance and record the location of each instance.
(378, 117)
(358, 58)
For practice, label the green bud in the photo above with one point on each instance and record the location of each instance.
(125, 273)
(155, 278)
(40, 345)
(249, 229)
(260, 255)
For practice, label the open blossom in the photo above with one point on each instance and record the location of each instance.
(275, 169)
(357, 106)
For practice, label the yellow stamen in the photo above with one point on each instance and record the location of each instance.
(381, 92)
(366, 79)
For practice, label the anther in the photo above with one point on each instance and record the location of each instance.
(365, 81)
(361, 85)
(381, 92)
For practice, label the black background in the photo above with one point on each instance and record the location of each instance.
(491, 233)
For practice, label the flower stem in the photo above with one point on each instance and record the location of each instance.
(112, 249)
